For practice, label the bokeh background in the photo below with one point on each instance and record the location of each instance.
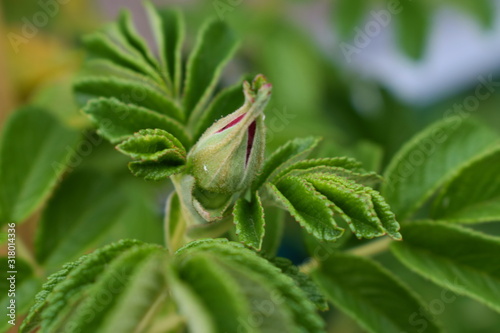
(365, 75)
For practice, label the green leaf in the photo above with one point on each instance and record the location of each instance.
(348, 15)
(83, 208)
(366, 212)
(117, 120)
(224, 103)
(308, 207)
(92, 307)
(214, 47)
(217, 291)
(127, 91)
(111, 45)
(243, 260)
(430, 159)
(456, 258)
(288, 153)
(198, 319)
(35, 150)
(65, 284)
(154, 171)
(134, 40)
(473, 195)
(303, 281)
(168, 31)
(175, 224)
(142, 299)
(249, 220)
(413, 28)
(371, 295)
(26, 287)
(153, 145)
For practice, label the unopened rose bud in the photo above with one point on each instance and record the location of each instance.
(230, 153)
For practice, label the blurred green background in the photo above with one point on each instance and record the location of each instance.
(364, 74)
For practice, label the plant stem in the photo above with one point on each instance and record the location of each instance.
(366, 250)
(26, 254)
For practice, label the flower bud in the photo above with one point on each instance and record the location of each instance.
(230, 153)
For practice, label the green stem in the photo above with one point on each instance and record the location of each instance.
(25, 254)
(366, 250)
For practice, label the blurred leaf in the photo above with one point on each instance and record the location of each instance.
(349, 14)
(456, 258)
(249, 220)
(141, 299)
(246, 266)
(286, 154)
(473, 195)
(117, 120)
(430, 159)
(35, 151)
(214, 47)
(26, 287)
(371, 295)
(413, 28)
(482, 10)
(85, 206)
(302, 280)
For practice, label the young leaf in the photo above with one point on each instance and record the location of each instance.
(35, 150)
(214, 47)
(308, 207)
(371, 295)
(101, 45)
(288, 153)
(127, 91)
(117, 120)
(456, 258)
(153, 145)
(249, 220)
(430, 159)
(134, 40)
(155, 170)
(168, 30)
(473, 195)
